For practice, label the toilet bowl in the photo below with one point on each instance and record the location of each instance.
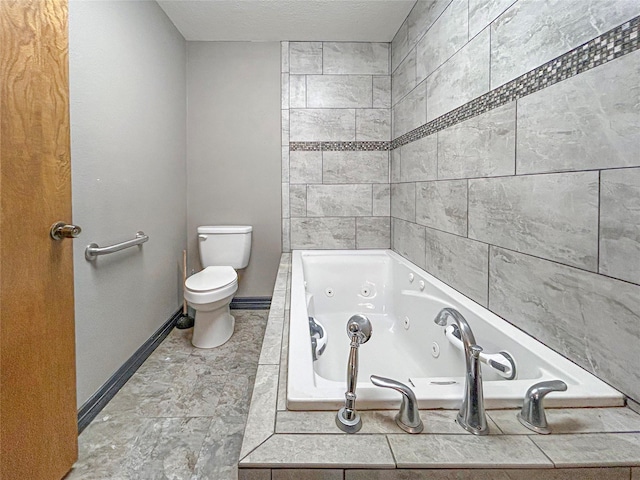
(223, 250)
(209, 292)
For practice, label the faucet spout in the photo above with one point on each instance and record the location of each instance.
(471, 416)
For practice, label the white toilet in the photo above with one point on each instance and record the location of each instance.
(223, 250)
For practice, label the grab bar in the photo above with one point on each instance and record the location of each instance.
(501, 362)
(93, 250)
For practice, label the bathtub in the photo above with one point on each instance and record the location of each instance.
(401, 300)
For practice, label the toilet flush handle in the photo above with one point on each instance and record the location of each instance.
(202, 237)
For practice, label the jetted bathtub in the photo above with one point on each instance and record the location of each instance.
(401, 300)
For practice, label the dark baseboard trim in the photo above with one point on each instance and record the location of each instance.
(98, 400)
(251, 303)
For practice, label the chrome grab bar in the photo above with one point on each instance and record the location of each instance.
(93, 250)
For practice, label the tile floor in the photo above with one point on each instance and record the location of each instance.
(182, 414)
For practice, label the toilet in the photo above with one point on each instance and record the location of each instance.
(223, 250)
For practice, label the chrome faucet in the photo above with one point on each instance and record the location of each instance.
(359, 332)
(532, 414)
(471, 416)
(408, 417)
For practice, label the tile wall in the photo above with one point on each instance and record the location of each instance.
(515, 174)
(336, 128)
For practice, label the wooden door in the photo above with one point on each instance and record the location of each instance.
(38, 423)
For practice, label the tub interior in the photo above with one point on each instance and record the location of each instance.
(401, 301)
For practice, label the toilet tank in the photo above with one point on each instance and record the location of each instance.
(224, 245)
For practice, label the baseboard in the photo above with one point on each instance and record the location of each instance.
(98, 400)
(250, 303)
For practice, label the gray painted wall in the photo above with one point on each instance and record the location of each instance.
(233, 155)
(128, 144)
(525, 208)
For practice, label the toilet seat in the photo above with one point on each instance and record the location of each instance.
(210, 285)
(211, 278)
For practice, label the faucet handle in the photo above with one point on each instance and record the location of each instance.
(408, 418)
(532, 414)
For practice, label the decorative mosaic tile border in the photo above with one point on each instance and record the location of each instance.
(610, 45)
(613, 44)
(339, 146)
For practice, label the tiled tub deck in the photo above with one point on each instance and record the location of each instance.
(590, 443)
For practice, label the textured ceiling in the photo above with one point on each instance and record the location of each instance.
(272, 20)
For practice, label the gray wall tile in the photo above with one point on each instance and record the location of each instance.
(308, 474)
(284, 57)
(459, 451)
(382, 200)
(285, 164)
(554, 216)
(284, 191)
(373, 124)
(573, 420)
(400, 46)
(339, 91)
(339, 200)
(305, 167)
(620, 224)
(356, 58)
(483, 146)
(395, 165)
(408, 240)
(459, 262)
(532, 33)
(285, 126)
(262, 412)
(355, 167)
(591, 319)
(464, 77)
(324, 451)
(373, 232)
(610, 473)
(403, 79)
(411, 111)
(382, 92)
(447, 35)
(443, 205)
(284, 91)
(297, 91)
(298, 200)
(329, 233)
(311, 125)
(419, 160)
(422, 17)
(587, 121)
(635, 473)
(254, 473)
(305, 57)
(403, 201)
(272, 339)
(483, 12)
(286, 235)
(593, 450)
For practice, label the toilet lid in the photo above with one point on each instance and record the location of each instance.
(211, 278)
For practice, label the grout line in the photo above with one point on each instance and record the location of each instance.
(561, 264)
(467, 234)
(391, 450)
(599, 217)
(489, 278)
(530, 437)
(515, 141)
